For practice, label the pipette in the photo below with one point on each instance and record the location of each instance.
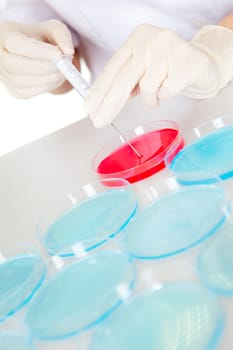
(71, 73)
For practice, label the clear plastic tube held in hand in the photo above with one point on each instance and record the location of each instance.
(71, 73)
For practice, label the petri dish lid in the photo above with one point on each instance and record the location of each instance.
(90, 223)
(179, 316)
(211, 154)
(215, 262)
(21, 275)
(176, 222)
(151, 140)
(80, 296)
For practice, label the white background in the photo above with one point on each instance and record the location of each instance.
(22, 121)
(34, 178)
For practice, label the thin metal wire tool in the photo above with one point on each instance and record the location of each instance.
(71, 73)
(126, 141)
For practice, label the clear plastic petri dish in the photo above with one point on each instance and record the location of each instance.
(215, 262)
(175, 218)
(208, 154)
(179, 316)
(22, 272)
(86, 219)
(151, 140)
(81, 295)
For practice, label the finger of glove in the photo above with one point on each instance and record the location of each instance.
(156, 73)
(180, 74)
(23, 65)
(103, 84)
(26, 93)
(117, 95)
(58, 34)
(21, 81)
(20, 44)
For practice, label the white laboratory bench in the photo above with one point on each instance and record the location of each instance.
(33, 175)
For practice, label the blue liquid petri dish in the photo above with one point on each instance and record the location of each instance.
(206, 159)
(179, 316)
(14, 341)
(80, 296)
(215, 262)
(92, 222)
(21, 276)
(176, 222)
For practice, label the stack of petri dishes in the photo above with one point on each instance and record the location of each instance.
(95, 244)
(89, 273)
(132, 264)
(177, 235)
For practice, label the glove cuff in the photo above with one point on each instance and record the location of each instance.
(217, 43)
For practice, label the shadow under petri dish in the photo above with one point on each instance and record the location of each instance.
(124, 162)
(180, 316)
(175, 222)
(81, 295)
(215, 262)
(14, 341)
(21, 276)
(91, 223)
(211, 154)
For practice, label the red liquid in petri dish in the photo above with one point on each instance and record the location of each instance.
(153, 146)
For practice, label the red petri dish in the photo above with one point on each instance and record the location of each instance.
(152, 141)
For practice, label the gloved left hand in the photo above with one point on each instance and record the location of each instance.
(160, 64)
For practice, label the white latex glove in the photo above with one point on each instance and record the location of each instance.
(159, 64)
(27, 55)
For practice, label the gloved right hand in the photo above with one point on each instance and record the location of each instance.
(27, 56)
(159, 64)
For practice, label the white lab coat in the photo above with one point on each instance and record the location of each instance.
(102, 25)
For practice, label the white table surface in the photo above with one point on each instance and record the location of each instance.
(24, 121)
(33, 175)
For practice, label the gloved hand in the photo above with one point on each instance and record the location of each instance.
(27, 55)
(160, 64)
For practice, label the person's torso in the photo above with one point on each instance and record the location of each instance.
(108, 23)
(104, 24)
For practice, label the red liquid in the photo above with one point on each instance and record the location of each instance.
(153, 146)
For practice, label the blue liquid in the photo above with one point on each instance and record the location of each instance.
(175, 222)
(179, 317)
(20, 278)
(211, 155)
(14, 341)
(91, 223)
(215, 263)
(79, 296)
